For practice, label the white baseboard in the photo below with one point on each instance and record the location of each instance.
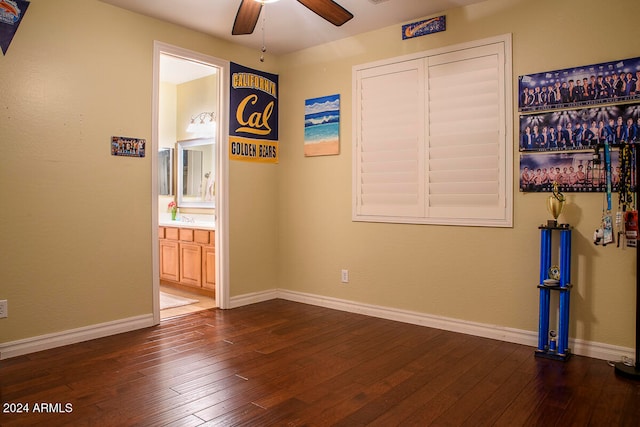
(72, 336)
(252, 298)
(580, 347)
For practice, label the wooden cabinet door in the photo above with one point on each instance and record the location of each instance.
(209, 268)
(191, 264)
(169, 260)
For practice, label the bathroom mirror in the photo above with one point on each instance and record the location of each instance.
(165, 171)
(196, 173)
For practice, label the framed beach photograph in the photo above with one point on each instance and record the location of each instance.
(322, 126)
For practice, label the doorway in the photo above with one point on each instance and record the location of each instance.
(190, 102)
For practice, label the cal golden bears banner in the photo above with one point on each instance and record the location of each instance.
(253, 115)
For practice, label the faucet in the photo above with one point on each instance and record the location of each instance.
(185, 218)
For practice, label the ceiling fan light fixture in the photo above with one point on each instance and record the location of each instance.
(249, 12)
(203, 123)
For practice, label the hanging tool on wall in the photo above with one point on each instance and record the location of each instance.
(631, 228)
(607, 222)
(597, 171)
(604, 234)
(626, 203)
(625, 190)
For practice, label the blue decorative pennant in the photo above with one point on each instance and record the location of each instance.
(422, 28)
(11, 13)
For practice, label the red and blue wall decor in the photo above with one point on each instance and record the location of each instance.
(11, 14)
(422, 28)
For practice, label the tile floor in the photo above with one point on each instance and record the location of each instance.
(204, 303)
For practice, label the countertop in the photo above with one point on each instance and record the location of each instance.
(205, 222)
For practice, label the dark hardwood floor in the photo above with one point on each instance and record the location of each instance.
(281, 363)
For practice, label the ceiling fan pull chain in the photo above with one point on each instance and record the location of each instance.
(264, 20)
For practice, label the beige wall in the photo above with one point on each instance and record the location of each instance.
(167, 131)
(484, 275)
(76, 226)
(195, 97)
(76, 223)
(178, 103)
(167, 115)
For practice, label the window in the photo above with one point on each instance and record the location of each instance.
(432, 137)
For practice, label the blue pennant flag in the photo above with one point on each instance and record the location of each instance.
(11, 13)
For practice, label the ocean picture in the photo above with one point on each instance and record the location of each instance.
(322, 126)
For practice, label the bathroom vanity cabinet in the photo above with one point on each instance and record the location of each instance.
(187, 257)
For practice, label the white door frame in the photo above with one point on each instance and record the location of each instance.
(222, 173)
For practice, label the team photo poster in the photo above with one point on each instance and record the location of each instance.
(572, 171)
(580, 129)
(607, 82)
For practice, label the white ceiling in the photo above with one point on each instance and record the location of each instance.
(177, 70)
(290, 26)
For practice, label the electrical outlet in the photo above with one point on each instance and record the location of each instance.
(345, 276)
(4, 308)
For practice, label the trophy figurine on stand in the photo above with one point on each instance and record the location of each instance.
(555, 203)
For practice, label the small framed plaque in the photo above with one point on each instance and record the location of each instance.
(128, 147)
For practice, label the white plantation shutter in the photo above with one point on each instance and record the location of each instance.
(466, 134)
(432, 140)
(391, 156)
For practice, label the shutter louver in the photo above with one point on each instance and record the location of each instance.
(464, 136)
(390, 178)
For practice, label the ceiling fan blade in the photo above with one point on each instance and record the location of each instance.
(247, 17)
(329, 10)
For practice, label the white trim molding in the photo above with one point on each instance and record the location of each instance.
(517, 336)
(73, 336)
(416, 318)
(252, 298)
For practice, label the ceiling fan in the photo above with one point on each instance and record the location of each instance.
(249, 11)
